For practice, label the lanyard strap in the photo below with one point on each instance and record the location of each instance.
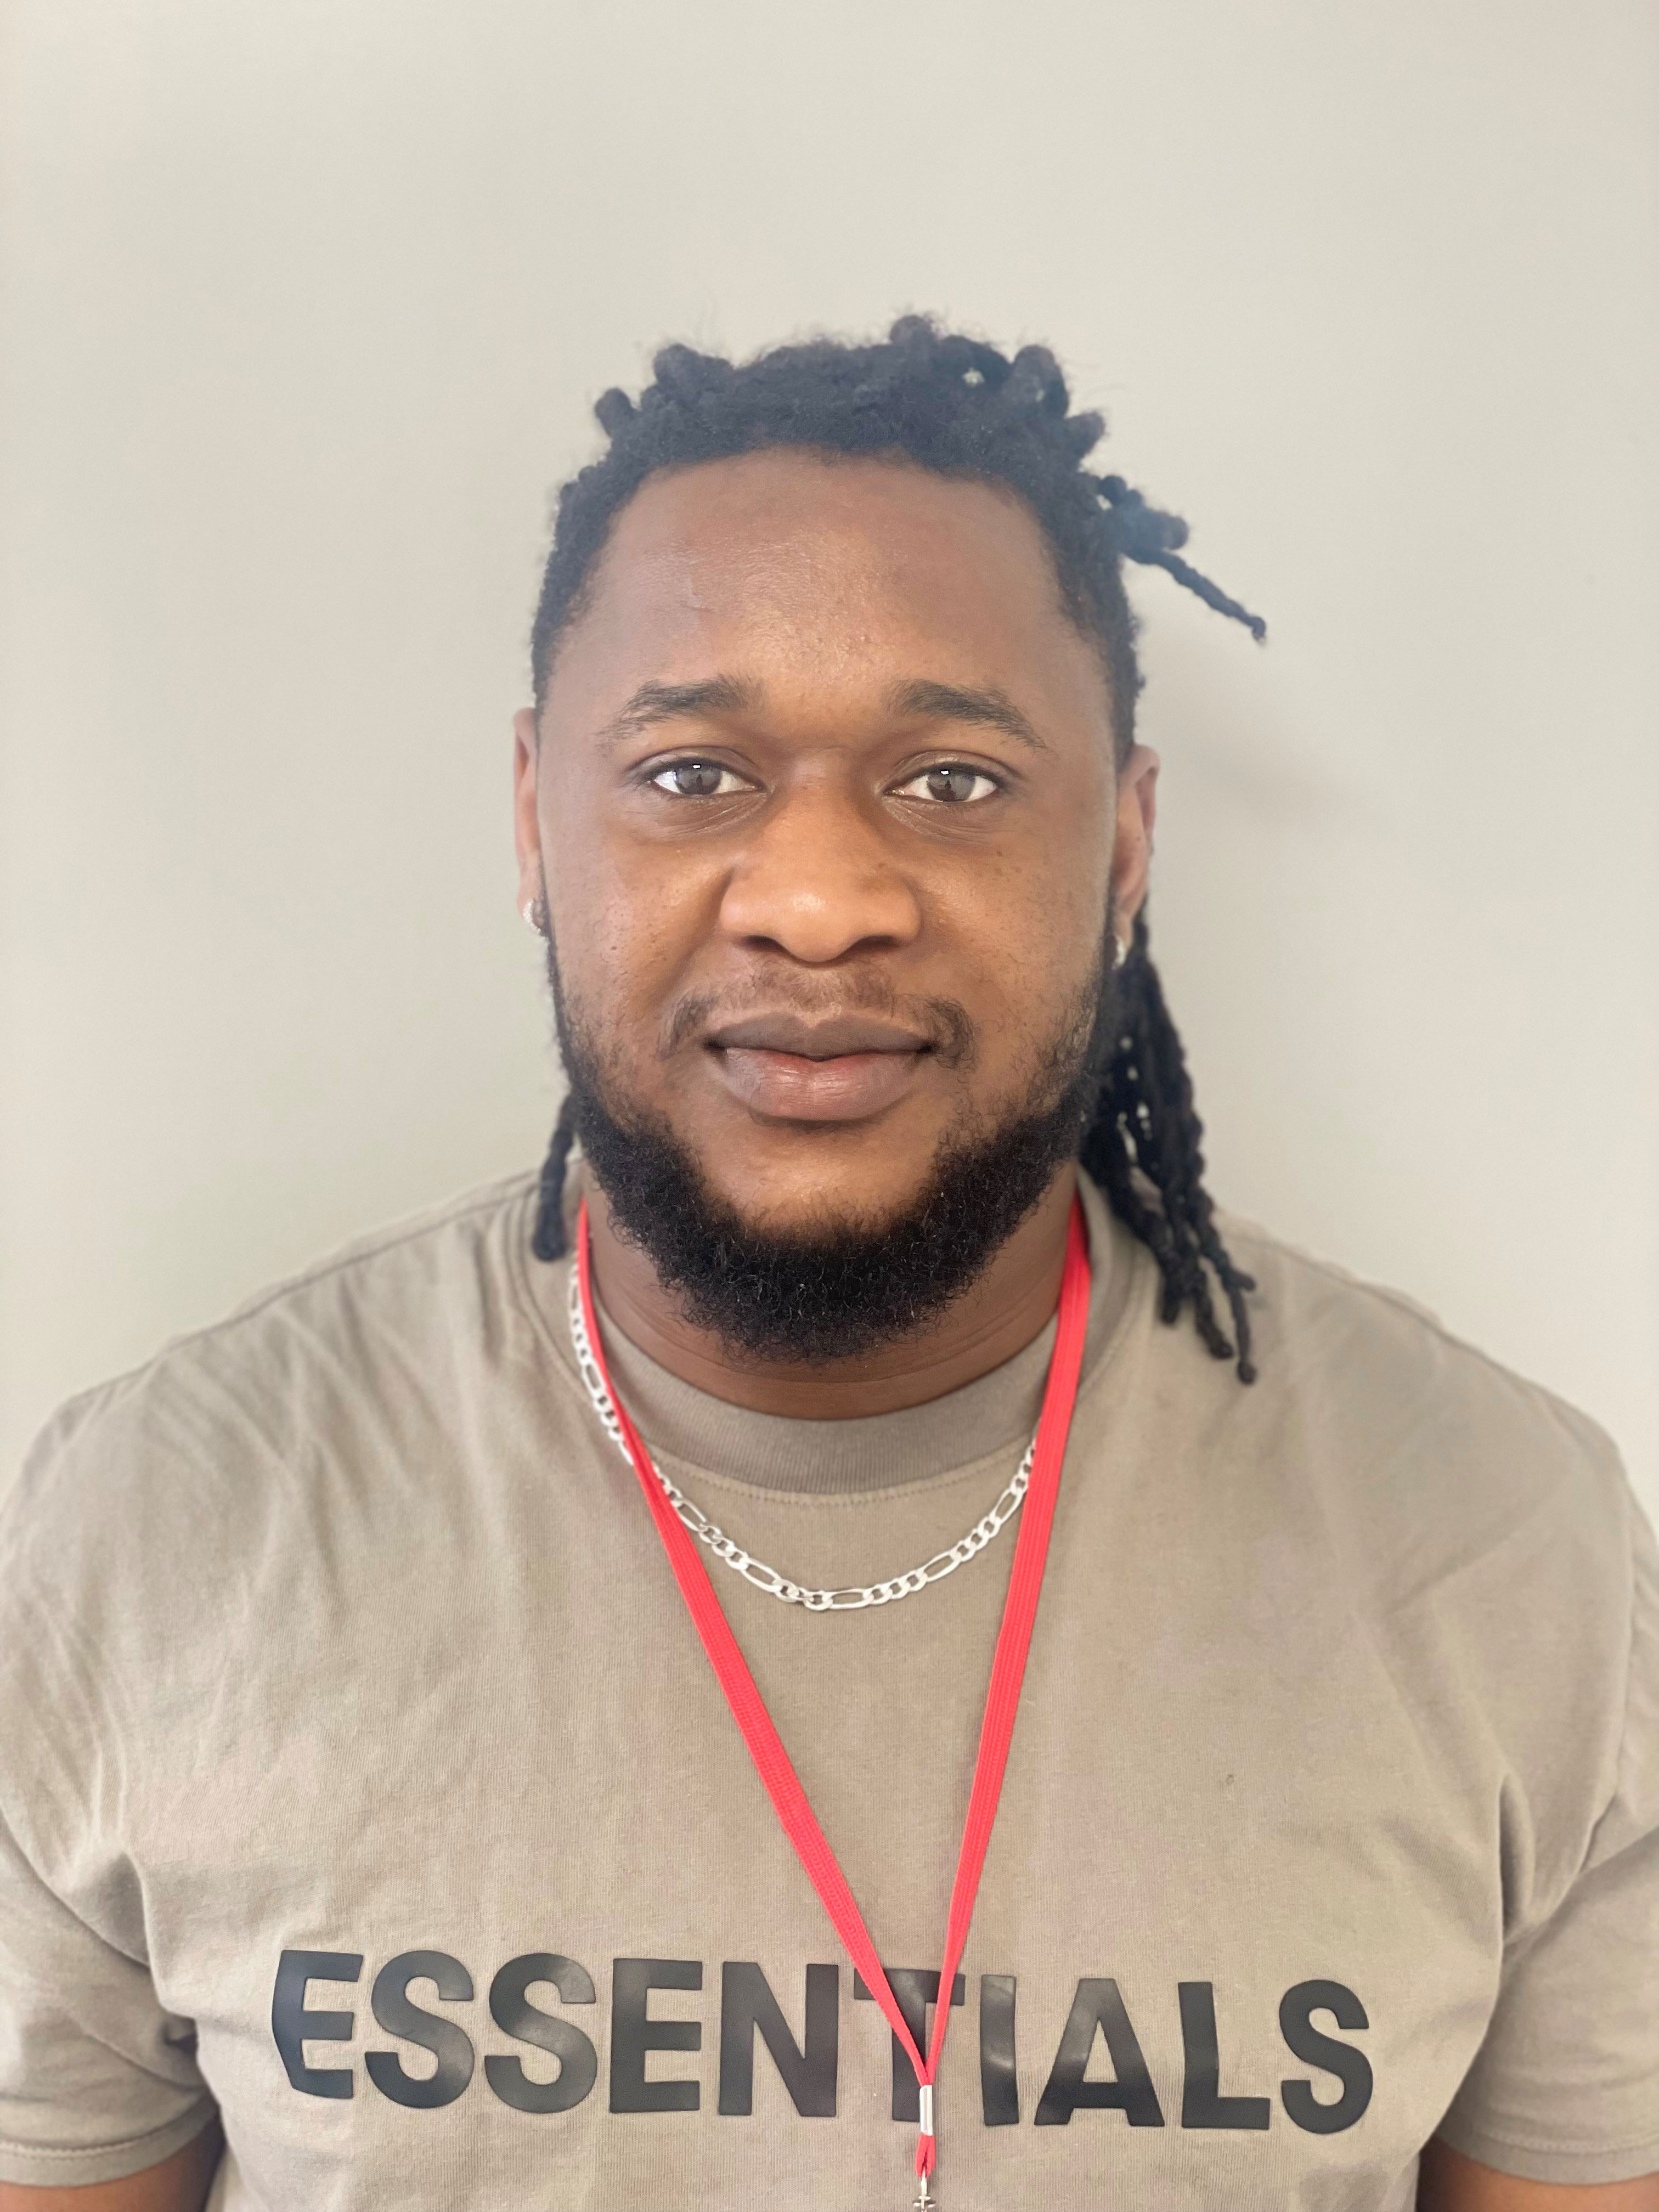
(749, 1709)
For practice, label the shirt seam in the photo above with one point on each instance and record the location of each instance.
(10, 2143)
(921, 1485)
(499, 1197)
(1105, 1358)
(1557, 2150)
(461, 1209)
(734, 1486)
(1623, 1736)
(1243, 1232)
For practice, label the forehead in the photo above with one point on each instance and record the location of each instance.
(790, 566)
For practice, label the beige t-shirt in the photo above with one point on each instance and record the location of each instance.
(360, 1772)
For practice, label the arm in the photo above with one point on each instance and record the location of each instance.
(1448, 2182)
(180, 2183)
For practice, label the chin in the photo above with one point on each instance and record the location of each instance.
(779, 1173)
(781, 1203)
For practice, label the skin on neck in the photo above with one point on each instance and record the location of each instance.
(825, 638)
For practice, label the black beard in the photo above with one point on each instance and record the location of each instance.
(811, 1296)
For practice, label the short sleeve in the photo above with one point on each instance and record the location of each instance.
(1565, 2085)
(97, 2081)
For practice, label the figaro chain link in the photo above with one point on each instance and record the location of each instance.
(756, 1570)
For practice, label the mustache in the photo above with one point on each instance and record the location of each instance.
(951, 1031)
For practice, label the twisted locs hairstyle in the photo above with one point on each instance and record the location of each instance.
(951, 404)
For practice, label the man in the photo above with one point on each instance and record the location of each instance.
(1247, 1732)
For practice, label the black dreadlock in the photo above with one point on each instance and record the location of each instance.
(957, 406)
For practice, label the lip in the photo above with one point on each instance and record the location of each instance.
(792, 1087)
(850, 1036)
(788, 1069)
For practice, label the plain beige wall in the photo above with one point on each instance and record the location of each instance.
(306, 306)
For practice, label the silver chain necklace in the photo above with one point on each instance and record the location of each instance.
(756, 1570)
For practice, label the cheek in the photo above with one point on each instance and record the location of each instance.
(1031, 929)
(626, 930)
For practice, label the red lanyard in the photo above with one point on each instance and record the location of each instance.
(1007, 1670)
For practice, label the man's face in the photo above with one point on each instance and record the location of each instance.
(824, 793)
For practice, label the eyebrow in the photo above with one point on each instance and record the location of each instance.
(668, 702)
(921, 696)
(955, 703)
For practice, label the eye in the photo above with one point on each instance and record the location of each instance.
(951, 784)
(696, 778)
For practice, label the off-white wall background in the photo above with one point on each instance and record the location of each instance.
(306, 307)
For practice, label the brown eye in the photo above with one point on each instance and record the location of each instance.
(693, 779)
(951, 784)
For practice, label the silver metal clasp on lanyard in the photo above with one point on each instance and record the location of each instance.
(924, 2200)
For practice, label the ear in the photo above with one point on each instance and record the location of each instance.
(1131, 846)
(526, 826)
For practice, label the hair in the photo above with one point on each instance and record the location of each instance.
(955, 405)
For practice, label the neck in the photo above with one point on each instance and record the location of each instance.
(1010, 1303)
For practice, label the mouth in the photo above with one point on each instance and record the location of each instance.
(791, 1070)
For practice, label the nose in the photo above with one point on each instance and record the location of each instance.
(818, 881)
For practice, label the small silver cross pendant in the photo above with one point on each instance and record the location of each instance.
(925, 2200)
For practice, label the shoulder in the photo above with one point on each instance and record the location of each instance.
(1467, 1508)
(1482, 1530)
(1358, 1363)
(430, 1268)
(1442, 1490)
(192, 1523)
(224, 1428)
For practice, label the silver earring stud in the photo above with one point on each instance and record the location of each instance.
(1120, 951)
(531, 912)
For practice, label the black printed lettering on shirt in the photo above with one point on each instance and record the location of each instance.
(1098, 2005)
(293, 2026)
(448, 2042)
(747, 2008)
(514, 2014)
(998, 2084)
(915, 1991)
(1352, 2068)
(1202, 2104)
(633, 2034)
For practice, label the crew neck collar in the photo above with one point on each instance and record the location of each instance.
(692, 1429)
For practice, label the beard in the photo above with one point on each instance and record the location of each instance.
(814, 1293)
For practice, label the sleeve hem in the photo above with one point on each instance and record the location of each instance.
(1626, 2162)
(74, 2165)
